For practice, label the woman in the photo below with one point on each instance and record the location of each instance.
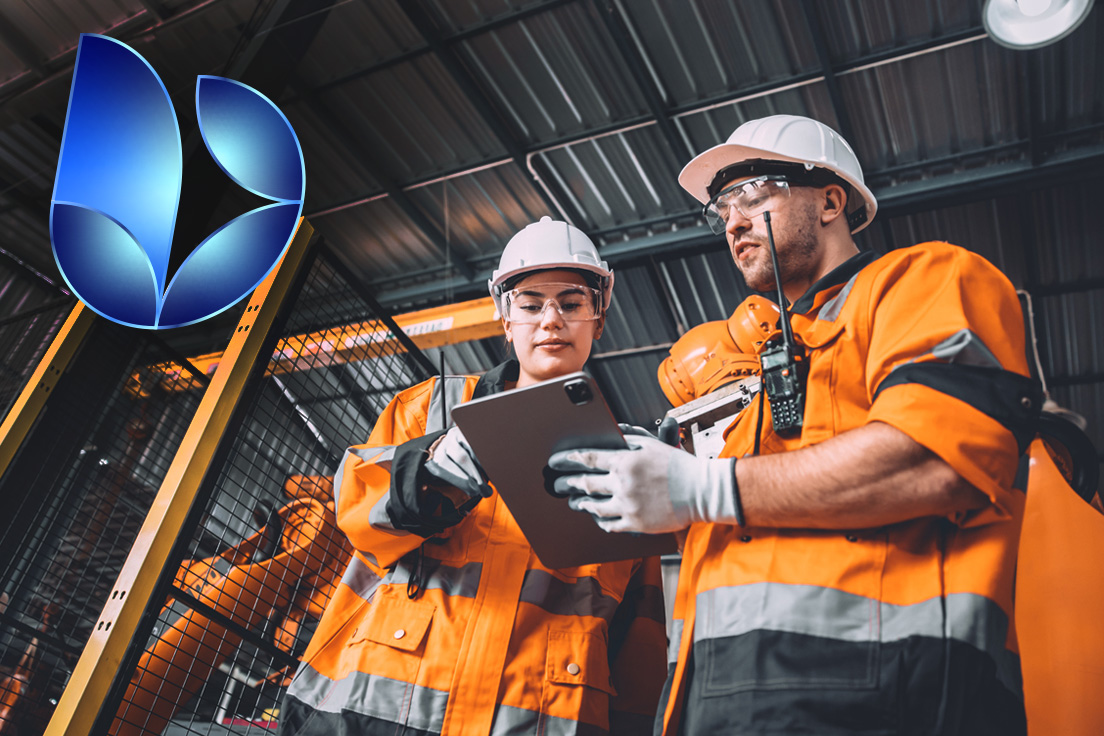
(445, 621)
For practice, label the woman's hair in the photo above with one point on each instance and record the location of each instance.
(592, 279)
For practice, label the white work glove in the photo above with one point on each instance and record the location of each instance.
(452, 461)
(650, 487)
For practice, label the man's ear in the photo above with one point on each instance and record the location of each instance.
(834, 204)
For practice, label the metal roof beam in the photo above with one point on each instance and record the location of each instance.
(755, 91)
(482, 103)
(476, 30)
(820, 44)
(631, 54)
(21, 46)
(60, 66)
(895, 201)
(154, 9)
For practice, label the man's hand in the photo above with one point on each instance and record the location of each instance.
(453, 462)
(650, 487)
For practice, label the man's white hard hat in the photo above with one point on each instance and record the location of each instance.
(546, 245)
(787, 139)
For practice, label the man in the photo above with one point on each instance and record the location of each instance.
(853, 575)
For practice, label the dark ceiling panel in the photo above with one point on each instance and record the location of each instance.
(555, 73)
(700, 49)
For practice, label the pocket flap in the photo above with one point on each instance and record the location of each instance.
(395, 622)
(579, 658)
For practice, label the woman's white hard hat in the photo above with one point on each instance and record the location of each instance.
(546, 245)
(789, 139)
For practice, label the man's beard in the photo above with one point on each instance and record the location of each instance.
(796, 251)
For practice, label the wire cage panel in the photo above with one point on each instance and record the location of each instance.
(78, 492)
(263, 555)
(24, 338)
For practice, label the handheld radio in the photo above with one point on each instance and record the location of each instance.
(784, 365)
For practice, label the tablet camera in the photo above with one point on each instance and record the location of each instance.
(578, 392)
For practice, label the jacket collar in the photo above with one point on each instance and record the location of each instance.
(839, 275)
(494, 380)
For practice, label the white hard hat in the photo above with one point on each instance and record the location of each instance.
(788, 139)
(546, 245)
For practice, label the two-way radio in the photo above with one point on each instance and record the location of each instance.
(784, 365)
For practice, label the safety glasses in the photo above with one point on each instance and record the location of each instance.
(574, 303)
(750, 198)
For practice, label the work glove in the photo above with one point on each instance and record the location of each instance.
(452, 461)
(650, 487)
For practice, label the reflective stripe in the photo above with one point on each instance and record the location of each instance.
(453, 394)
(585, 597)
(460, 581)
(360, 578)
(815, 611)
(511, 721)
(673, 641)
(379, 697)
(364, 453)
(832, 308)
(965, 348)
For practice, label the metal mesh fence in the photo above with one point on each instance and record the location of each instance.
(24, 338)
(76, 496)
(265, 553)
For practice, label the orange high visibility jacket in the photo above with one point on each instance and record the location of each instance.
(904, 629)
(463, 630)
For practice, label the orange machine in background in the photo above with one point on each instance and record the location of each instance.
(285, 572)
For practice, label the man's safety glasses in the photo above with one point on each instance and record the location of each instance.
(750, 198)
(574, 303)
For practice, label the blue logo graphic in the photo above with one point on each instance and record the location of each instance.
(117, 190)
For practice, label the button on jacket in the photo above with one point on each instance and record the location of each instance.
(903, 629)
(459, 629)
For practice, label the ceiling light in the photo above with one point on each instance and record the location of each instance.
(1029, 24)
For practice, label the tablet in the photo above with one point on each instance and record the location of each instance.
(513, 434)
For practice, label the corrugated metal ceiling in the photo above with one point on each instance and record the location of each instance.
(433, 130)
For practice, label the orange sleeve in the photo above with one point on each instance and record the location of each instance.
(946, 366)
(363, 482)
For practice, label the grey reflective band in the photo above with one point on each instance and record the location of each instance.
(964, 348)
(832, 308)
(393, 701)
(674, 641)
(364, 453)
(453, 394)
(360, 578)
(511, 721)
(826, 612)
(585, 597)
(460, 581)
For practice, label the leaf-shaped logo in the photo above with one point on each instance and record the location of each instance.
(118, 188)
(118, 183)
(252, 141)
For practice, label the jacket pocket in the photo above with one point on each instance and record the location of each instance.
(395, 622)
(389, 641)
(577, 682)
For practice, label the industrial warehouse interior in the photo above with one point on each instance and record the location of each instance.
(169, 540)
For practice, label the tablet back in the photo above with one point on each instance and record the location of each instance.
(514, 433)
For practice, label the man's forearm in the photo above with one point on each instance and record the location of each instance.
(866, 477)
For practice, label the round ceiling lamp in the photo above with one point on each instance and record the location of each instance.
(1029, 24)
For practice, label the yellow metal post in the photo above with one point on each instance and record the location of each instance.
(33, 397)
(88, 686)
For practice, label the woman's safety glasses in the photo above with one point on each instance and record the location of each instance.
(574, 303)
(750, 198)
